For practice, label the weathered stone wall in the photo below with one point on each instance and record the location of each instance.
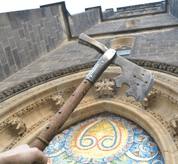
(108, 13)
(83, 21)
(27, 35)
(157, 46)
(139, 10)
(173, 6)
(141, 6)
(163, 5)
(146, 23)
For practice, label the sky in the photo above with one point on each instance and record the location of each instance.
(73, 6)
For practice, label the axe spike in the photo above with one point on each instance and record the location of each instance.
(92, 43)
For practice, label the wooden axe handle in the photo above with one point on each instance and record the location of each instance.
(43, 140)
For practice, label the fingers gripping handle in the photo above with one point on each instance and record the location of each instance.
(92, 43)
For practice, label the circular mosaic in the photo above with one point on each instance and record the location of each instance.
(104, 139)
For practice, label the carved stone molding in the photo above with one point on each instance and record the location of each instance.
(34, 126)
(19, 124)
(167, 125)
(165, 97)
(9, 92)
(67, 91)
(58, 99)
(24, 111)
(15, 119)
(129, 101)
(174, 123)
(149, 100)
(167, 80)
(105, 88)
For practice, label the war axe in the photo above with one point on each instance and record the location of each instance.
(139, 79)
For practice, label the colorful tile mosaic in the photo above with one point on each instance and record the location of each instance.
(104, 139)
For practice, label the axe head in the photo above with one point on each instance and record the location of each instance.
(139, 79)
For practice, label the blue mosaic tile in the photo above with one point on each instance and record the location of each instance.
(104, 139)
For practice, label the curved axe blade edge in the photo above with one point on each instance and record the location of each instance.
(139, 79)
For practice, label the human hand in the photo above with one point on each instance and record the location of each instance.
(23, 155)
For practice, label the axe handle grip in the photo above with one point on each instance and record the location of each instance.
(42, 141)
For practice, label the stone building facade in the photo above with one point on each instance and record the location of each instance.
(41, 64)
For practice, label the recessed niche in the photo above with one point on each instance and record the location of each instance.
(132, 23)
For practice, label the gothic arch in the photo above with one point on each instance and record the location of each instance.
(32, 109)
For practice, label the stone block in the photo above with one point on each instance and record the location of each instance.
(30, 27)
(30, 46)
(36, 50)
(42, 23)
(53, 43)
(47, 27)
(37, 36)
(17, 58)
(22, 58)
(46, 39)
(48, 13)
(50, 43)
(15, 22)
(154, 54)
(12, 43)
(21, 34)
(3, 37)
(143, 51)
(9, 56)
(43, 48)
(152, 49)
(40, 33)
(34, 19)
(2, 76)
(23, 15)
(57, 19)
(54, 9)
(2, 55)
(29, 60)
(4, 20)
(40, 50)
(47, 48)
(60, 27)
(25, 47)
(32, 53)
(41, 13)
(58, 35)
(53, 32)
(9, 31)
(55, 23)
(7, 70)
(13, 69)
(26, 32)
(32, 37)
(17, 39)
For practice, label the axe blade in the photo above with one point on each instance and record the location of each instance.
(139, 79)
